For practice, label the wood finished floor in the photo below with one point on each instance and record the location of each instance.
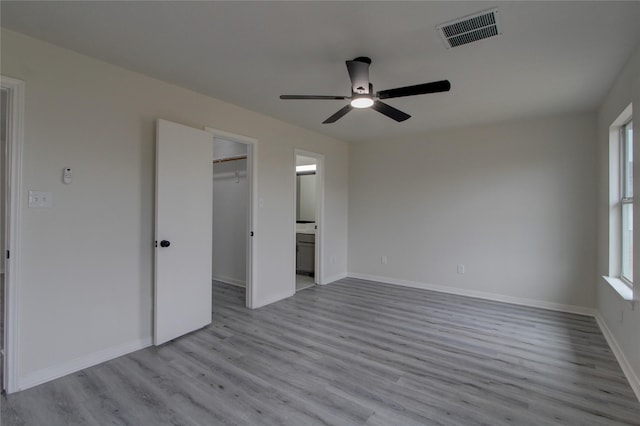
(352, 353)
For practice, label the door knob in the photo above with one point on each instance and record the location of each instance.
(165, 243)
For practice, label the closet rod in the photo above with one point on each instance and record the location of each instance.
(224, 160)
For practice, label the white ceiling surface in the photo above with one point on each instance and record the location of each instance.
(552, 57)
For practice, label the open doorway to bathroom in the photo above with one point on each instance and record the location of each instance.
(308, 200)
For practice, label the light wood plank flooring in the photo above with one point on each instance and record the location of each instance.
(352, 353)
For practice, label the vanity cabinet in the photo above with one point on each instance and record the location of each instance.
(305, 254)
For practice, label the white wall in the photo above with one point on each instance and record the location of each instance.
(619, 316)
(514, 203)
(223, 148)
(230, 213)
(86, 287)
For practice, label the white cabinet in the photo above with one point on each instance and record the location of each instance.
(305, 254)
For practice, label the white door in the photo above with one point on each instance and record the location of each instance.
(184, 173)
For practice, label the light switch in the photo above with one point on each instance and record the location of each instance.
(40, 199)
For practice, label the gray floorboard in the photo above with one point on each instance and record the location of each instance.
(352, 353)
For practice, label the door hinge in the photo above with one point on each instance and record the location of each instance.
(156, 243)
(251, 234)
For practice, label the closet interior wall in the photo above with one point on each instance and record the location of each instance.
(230, 212)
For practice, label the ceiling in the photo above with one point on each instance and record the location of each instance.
(552, 57)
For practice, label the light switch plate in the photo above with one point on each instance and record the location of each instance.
(40, 199)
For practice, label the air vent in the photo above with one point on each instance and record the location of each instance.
(470, 28)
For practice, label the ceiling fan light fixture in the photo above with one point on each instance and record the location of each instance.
(362, 102)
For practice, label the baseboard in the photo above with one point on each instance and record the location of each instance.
(333, 278)
(273, 299)
(479, 294)
(50, 373)
(617, 351)
(229, 280)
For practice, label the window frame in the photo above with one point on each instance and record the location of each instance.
(626, 197)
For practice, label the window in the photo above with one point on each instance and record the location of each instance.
(620, 276)
(626, 201)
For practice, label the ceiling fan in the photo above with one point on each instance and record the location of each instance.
(362, 95)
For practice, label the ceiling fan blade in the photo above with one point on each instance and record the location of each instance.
(418, 89)
(338, 115)
(390, 111)
(359, 74)
(313, 97)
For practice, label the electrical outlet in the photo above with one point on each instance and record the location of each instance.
(461, 268)
(383, 260)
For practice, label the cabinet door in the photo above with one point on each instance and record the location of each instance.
(305, 258)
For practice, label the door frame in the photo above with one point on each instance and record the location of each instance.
(319, 271)
(252, 217)
(13, 211)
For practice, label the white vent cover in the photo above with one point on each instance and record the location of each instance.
(470, 28)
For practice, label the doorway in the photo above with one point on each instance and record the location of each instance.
(308, 199)
(4, 115)
(233, 213)
(11, 127)
(230, 212)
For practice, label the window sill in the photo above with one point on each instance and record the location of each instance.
(620, 287)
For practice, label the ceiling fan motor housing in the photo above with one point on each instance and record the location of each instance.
(362, 89)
